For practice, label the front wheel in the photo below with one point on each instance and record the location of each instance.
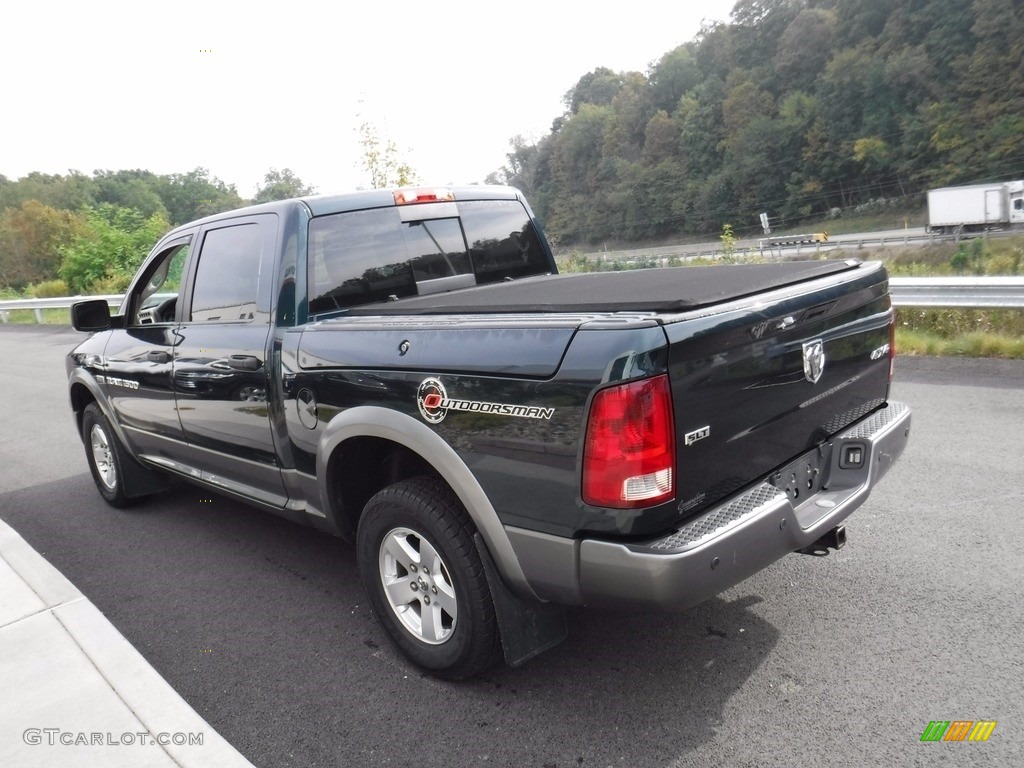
(105, 456)
(425, 580)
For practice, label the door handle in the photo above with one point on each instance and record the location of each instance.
(244, 363)
(158, 357)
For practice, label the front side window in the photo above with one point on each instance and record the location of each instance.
(156, 297)
(228, 275)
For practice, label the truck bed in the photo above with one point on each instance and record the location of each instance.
(641, 290)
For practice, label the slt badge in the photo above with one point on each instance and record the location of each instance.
(814, 360)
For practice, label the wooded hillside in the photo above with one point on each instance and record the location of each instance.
(795, 107)
(798, 108)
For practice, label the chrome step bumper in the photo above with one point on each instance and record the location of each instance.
(746, 533)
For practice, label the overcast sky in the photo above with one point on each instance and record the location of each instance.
(240, 87)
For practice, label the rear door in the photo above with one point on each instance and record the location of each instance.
(221, 374)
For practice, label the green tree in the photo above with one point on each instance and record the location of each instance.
(992, 80)
(576, 159)
(31, 238)
(674, 75)
(873, 153)
(113, 244)
(702, 130)
(68, 193)
(661, 138)
(631, 110)
(382, 161)
(135, 189)
(804, 49)
(758, 25)
(282, 185)
(859, 20)
(521, 167)
(597, 87)
(195, 194)
(728, 239)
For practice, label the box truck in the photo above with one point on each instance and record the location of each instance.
(976, 207)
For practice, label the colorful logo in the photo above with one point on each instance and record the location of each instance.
(434, 404)
(429, 396)
(958, 730)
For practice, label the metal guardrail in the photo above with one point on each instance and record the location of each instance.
(38, 305)
(958, 292)
(746, 249)
(924, 292)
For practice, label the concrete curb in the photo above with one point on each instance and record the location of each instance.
(75, 691)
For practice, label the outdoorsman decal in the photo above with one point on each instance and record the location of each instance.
(434, 404)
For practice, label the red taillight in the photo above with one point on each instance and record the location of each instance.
(409, 196)
(629, 454)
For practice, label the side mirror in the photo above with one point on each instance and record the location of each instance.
(90, 316)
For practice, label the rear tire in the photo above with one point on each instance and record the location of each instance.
(425, 580)
(105, 455)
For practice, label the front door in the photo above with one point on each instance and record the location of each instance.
(137, 363)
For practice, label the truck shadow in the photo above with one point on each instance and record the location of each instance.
(643, 689)
(263, 627)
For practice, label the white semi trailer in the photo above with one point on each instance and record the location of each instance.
(976, 207)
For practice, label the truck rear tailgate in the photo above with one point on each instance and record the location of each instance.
(755, 389)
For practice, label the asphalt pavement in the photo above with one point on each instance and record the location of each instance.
(74, 690)
(261, 625)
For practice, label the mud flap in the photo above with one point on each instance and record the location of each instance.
(141, 481)
(528, 628)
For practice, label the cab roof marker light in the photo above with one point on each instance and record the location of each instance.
(410, 196)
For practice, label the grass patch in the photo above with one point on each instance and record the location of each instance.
(976, 344)
(960, 332)
(855, 224)
(935, 332)
(50, 316)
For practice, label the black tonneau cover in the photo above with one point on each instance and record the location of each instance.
(641, 290)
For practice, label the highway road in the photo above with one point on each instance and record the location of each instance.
(748, 247)
(263, 627)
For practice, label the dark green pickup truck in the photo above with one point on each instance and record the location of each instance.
(406, 368)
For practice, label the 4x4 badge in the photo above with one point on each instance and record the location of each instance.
(814, 360)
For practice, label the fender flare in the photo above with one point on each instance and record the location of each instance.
(82, 377)
(138, 479)
(374, 421)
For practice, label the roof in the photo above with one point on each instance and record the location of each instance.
(322, 205)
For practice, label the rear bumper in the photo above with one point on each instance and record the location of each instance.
(743, 535)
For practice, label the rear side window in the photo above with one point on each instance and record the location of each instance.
(228, 275)
(370, 256)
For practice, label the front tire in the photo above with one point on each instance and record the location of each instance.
(425, 580)
(105, 456)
